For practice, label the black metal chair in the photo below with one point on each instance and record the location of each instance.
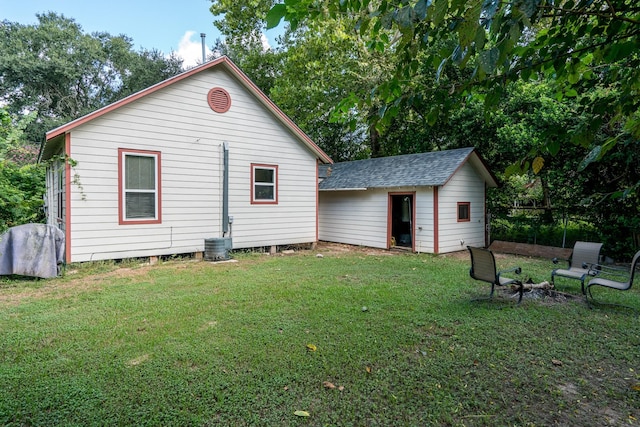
(601, 280)
(584, 254)
(483, 268)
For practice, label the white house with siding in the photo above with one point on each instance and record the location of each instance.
(428, 202)
(145, 176)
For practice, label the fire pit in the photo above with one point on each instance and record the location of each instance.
(540, 291)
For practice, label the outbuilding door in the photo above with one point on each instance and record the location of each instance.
(401, 221)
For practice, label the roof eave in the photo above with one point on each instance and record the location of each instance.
(51, 148)
(490, 178)
(486, 173)
(343, 189)
(271, 106)
(124, 101)
(235, 71)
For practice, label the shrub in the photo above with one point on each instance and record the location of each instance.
(21, 190)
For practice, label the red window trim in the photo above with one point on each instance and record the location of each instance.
(121, 219)
(468, 205)
(255, 201)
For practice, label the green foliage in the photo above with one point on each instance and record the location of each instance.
(21, 181)
(195, 343)
(308, 75)
(379, 79)
(55, 69)
(242, 25)
(13, 146)
(581, 46)
(21, 190)
(322, 66)
(52, 73)
(530, 227)
(240, 20)
(145, 69)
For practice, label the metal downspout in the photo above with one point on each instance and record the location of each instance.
(225, 190)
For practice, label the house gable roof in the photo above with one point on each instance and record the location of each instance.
(409, 170)
(54, 135)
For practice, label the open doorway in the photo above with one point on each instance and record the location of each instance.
(401, 220)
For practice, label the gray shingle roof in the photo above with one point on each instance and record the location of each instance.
(423, 169)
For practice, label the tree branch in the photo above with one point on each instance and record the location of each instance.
(613, 9)
(563, 12)
(573, 52)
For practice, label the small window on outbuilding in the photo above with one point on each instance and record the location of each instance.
(464, 211)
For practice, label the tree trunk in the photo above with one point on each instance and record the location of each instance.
(374, 138)
(547, 217)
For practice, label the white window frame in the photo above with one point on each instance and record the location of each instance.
(254, 184)
(157, 218)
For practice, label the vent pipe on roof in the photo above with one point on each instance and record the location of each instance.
(204, 56)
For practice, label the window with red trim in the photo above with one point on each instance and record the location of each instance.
(464, 211)
(139, 195)
(264, 184)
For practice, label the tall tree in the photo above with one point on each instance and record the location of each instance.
(55, 69)
(584, 45)
(146, 68)
(324, 64)
(242, 25)
(309, 73)
(50, 73)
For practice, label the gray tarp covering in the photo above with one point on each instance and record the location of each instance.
(32, 250)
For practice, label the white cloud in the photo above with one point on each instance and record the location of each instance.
(191, 50)
(265, 42)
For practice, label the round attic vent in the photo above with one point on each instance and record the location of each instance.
(219, 100)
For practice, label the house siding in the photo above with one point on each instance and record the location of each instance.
(466, 185)
(354, 217)
(178, 122)
(361, 217)
(293, 218)
(424, 228)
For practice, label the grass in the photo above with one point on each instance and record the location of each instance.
(195, 343)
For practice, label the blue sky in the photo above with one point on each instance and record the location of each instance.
(161, 24)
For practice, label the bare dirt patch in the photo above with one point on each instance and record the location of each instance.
(586, 410)
(63, 287)
(75, 281)
(341, 248)
(138, 360)
(461, 255)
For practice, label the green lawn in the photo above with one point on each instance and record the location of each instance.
(195, 343)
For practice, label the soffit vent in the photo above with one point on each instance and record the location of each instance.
(219, 100)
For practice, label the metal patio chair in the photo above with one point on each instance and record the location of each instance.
(622, 285)
(483, 268)
(584, 255)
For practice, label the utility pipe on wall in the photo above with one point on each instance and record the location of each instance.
(225, 190)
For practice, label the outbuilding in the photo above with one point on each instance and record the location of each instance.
(202, 155)
(428, 202)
